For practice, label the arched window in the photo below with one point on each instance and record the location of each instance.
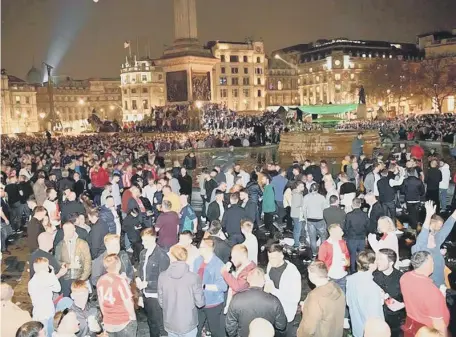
(279, 85)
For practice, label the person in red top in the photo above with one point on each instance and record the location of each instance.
(99, 177)
(424, 302)
(116, 300)
(334, 253)
(237, 281)
(416, 151)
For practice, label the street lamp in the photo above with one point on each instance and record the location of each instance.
(199, 104)
(42, 115)
(81, 101)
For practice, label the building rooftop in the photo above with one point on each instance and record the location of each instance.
(15, 80)
(211, 44)
(445, 34)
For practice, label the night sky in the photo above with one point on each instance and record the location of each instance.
(85, 39)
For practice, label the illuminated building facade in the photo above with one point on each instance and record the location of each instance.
(19, 112)
(74, 101)
(438, 44)
(142, 86)
(282, 84)
(328, 70)
(240, 76)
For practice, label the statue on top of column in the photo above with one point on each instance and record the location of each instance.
(361, 95)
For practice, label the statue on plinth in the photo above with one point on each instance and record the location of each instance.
(361, 95)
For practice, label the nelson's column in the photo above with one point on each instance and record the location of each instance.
(188, 66)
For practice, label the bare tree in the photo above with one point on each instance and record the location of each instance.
(436, 79)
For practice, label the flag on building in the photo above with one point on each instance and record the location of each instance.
(126, 44)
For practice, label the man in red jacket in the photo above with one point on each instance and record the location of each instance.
(417, 151)
(334, 253)
(99, 177)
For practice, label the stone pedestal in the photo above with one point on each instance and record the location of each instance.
(361, 111)
(324, 145)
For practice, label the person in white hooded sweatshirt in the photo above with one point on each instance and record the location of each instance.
(444, 184)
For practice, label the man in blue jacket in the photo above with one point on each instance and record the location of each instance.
(208, 267)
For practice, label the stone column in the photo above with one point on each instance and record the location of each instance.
(185, 20)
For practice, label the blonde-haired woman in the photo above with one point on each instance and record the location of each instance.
(387, 228)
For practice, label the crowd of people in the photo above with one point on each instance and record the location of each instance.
(111, 231)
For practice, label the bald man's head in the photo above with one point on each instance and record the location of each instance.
(376, 327)
(260, 327)
(45, 241)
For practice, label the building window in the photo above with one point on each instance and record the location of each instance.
(259, 71)
(126, 105)
(234, 70)
(246, 81)
(246, 59)
(223, 93)
(133, 105)
(223, 81)
(246, 70)
(258, 81)
(337, 77)
(133, 91)
(234, 59)
(246, 93)
(279, 85)
(160, 77)
(337, 62)
(259, 93)
(144, 78)
(235, 81)
(337, 86)
(260, 106)
(145, 104)
(352, 76)
(125, 91)
(18, 99)
(235, 93)
(258, 59)
(27, 100)
(222, 58)
(144, 90)
(222, 69)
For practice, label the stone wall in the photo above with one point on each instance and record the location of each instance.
(326, 144)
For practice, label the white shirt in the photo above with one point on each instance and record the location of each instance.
(222, 209)
(51, 208)
(41, 288)
(148, 192)
(337, 269)
(251, 242)
(116, 194)
(116, 220)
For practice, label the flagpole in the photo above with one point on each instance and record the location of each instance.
(137, 46)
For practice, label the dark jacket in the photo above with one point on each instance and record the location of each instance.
(209, 186)
(356, 225)
(413, 189)
(129, 225)
(315, 171)
(231, 222)
(108, 219)
(222, 248)
(250, 304)
(251, 210)
(254, 191)
(378, 210)
(96, 239)
(185, 184)
(80, 187)
(334, 215)
(180, 294)
(433, 178)
(189, 162)
(71, 207)
(157, 262)
(25, 190)
(34, 228)
(65, 183)
(386, 193)
(213, 211)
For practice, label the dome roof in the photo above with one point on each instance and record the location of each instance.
(34, 76)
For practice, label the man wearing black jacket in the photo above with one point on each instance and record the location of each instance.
(222, 247)
(216, 209)
(356, 228)
(376, 211)
(414, 191)
(251, 209)
(152, 261)
(71, 206)
(14, 202)
(386, 190)
(254, 303)
(96, 235)
(432, 180)
(231, 222)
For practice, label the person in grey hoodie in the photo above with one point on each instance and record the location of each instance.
(296, 211)
(313, 206)
(180, 294)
